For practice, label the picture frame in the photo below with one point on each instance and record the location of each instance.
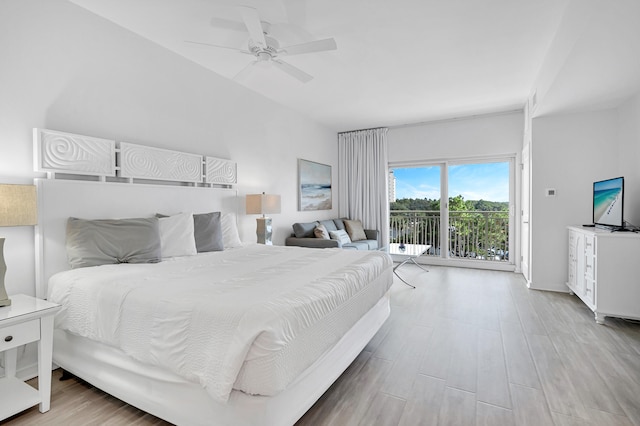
(314, 186)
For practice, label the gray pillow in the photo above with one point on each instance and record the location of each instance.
(339, 223)
(207, 230)
(329, 224)
(110, 241)
(304, 230)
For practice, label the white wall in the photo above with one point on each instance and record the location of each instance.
(568, 153)
(479, 136)
(629, 156)
(66, 69)
(466, 138)
(586, 126)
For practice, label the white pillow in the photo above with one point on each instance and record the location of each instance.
(340, 235)
(176, 235)
(230, 237)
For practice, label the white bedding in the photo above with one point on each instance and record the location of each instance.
(251, 318)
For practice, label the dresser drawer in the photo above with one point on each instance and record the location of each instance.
(589, 245)
(590, 267)
(590, 293)
(19, 334)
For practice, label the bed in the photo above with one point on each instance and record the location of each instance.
(250, 335)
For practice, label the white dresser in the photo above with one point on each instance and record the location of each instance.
(604, 271)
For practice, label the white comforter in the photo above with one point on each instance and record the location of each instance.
(204, 317)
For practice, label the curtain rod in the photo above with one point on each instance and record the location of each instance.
(362, 130)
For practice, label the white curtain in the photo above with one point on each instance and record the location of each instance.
(363, 175)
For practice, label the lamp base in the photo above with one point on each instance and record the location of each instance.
(4, 299)
(264, 230)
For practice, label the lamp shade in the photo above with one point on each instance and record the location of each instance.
(263, 203)
(18, 205)
(17, 208)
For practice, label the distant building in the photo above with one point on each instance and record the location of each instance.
(392, 187)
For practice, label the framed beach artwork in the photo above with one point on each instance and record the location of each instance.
(314, 186)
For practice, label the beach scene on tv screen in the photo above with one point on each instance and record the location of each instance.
(607, 202)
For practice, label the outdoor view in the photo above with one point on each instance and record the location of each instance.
(478, 225)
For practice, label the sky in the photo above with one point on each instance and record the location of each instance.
(481, 181)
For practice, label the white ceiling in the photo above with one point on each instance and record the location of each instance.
(397, 62)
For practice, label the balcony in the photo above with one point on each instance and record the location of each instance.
(477, 235)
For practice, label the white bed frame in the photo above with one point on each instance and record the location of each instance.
(151, 389)
(171, 398)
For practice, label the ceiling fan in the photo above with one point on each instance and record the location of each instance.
(267, 49)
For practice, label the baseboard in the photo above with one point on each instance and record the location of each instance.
(558, 289)
(458, 263)
(27, 367)
(27, 372)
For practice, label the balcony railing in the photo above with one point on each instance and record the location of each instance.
(472, 234)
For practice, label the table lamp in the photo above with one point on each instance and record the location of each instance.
(17, 208)
(263, 204)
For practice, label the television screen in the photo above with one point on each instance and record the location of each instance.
(608, 202)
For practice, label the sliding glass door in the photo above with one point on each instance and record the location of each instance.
(474, 221)
(479, 211)
(414, 203)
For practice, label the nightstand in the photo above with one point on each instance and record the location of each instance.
(26, 320)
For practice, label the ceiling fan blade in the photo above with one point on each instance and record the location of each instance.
(292, 71)
(244, 72)
(312, 46)
(227, 24)
(200, 44)
(254, 26)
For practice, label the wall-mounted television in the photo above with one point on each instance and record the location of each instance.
(608, 203)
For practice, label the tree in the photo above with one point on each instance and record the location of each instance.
(474, 230)
(457, 203)
(414, 204)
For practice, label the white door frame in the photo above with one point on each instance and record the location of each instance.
(514, 246)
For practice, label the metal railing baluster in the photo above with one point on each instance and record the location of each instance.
(473, 234)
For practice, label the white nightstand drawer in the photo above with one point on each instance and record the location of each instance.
(19, 334)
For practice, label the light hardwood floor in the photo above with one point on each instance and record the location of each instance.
(466, 347)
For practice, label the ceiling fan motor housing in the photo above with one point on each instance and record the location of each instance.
(265, 53)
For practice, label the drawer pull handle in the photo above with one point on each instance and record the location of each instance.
(8, 338)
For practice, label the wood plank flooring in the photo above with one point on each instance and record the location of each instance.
(466, 347)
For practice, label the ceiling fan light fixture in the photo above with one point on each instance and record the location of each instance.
(263, 56)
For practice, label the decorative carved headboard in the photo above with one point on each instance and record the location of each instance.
(67, 153)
